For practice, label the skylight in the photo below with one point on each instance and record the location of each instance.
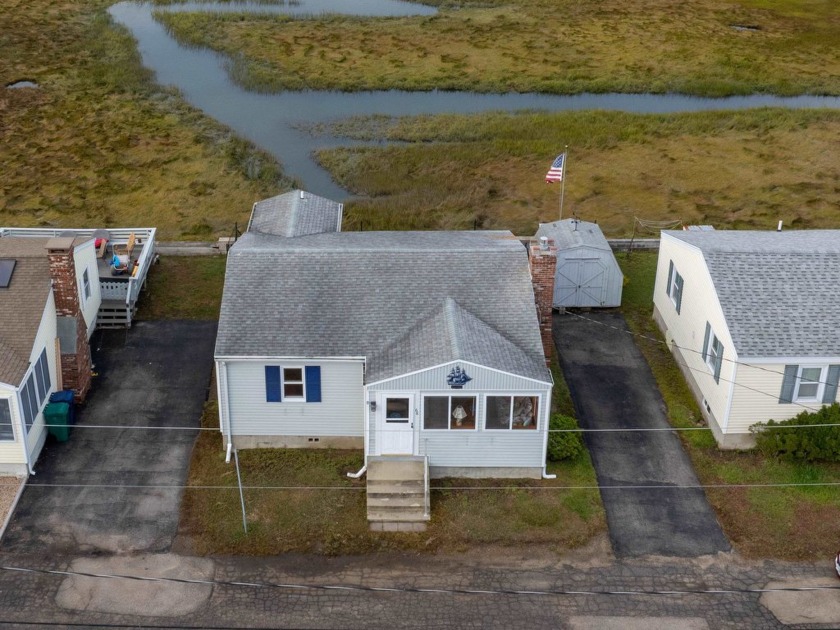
(7, 266)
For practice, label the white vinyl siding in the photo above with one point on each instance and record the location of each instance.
(339, 413)
(699, 306)
(85, 262)
(760, 402)
(474, 447)
(11, 451)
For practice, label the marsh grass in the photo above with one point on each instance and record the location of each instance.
(99, 145)
(183, 287)
(536, 45)
(788, 523)
(742, 169)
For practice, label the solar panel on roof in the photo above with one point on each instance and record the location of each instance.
(6, 269)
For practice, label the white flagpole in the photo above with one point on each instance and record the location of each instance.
(563, 184)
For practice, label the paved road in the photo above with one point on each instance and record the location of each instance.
(36, 597)
(155, 374)
(612, 387)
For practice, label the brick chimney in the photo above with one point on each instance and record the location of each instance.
(72, 332)
(542, 257)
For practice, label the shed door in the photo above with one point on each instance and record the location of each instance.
(395, 424)
(580, 282)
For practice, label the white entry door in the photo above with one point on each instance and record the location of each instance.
(395, 422)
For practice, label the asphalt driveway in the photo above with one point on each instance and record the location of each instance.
(613, 388)
(154, 375)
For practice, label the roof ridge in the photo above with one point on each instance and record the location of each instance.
(450, 310)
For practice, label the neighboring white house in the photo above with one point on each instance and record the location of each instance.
(753, 319)
(588, 274)
(424, 344)
(49, 298)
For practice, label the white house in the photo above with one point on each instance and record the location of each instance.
(49, 298)
(414, 346)
(753, 319)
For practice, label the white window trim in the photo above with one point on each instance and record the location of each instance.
(283, 397)
(710, 356)
(87, 290)
(449, 428)
(510, 419)
(674, 288)
(817, 398)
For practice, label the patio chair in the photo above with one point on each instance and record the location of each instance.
(125, 250)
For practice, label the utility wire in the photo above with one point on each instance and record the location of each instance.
(812, 407)
(355, 588)
(660, 486)
(665, 343)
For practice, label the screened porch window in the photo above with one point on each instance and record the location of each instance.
(511, 412)
(449, 412)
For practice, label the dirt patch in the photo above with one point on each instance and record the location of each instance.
(9, 487)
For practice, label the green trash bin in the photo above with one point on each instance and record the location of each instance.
(57, 418)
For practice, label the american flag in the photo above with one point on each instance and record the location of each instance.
(555, 173)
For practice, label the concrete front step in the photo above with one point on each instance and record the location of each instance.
(397, 516)
(393, 487)
(396, 470)
(397, 493)
(396, 501)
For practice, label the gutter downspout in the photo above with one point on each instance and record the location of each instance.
(366, 419)
(545, 473)
(224, 394)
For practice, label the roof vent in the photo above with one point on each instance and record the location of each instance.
(544, 243)
(301, 194)
(7, 267)
(779, 227)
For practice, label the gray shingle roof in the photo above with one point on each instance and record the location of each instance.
(571, 233)
(779, 291)
(22, 304)
(296, 213)
(449, 333)
(357, 293)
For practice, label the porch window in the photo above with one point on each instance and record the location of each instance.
(449, 412)
(6, 431)
(511, 412)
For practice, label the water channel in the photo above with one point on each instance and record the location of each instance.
(277, 122)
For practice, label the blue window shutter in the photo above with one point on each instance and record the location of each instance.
(706, 342)
(788, 384)
(670, 277)
(679, 292)
(313, 383)
(830, 393)
(272, 383)
(718, 361)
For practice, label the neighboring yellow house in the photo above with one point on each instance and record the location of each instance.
(753, 319)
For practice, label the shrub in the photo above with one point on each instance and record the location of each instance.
(563, 444)
(820, 443)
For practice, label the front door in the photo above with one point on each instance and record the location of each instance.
(395, 423)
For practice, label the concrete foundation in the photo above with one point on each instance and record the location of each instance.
(484, 472)
(296, 441)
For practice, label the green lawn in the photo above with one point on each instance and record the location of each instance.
(330, 517)
(788, 523)
(183, 287)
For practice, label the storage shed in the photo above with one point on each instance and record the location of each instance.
(587, 272)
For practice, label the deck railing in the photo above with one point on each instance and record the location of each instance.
(110, 289)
